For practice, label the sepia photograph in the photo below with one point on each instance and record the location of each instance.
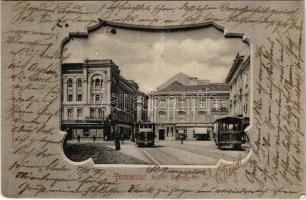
(153, 99)
(148, 96)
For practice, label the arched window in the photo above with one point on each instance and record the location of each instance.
(97, 82)
(69, 82)
(79, 82)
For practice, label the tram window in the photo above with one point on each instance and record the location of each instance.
(236, 127)
(223, 126)
(230, 127)
(233, 127)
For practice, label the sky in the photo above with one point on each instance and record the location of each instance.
(151, 58)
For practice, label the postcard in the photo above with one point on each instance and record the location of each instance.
(153, 99)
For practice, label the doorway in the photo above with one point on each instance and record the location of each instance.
(161, 134)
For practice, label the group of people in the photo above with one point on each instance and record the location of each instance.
(117, 136)
(79, 138)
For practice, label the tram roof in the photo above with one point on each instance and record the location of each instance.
(229, 119)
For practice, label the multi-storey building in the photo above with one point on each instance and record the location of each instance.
(238, 79)
(96, 100)
(189, 103)
(142, 107)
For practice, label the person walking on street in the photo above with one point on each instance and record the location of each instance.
(94, 138)
(132, 138)
(79, 138)
(117, 139)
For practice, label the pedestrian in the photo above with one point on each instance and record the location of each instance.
(132, 138)
(182, 138)
(79, 138)
(117, 139)
(94, 138)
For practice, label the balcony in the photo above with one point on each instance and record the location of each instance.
(219, 111)
(93, 118)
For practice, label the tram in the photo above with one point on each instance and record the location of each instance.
(144, 133)
(229, 132)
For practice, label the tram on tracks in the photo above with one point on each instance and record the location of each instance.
(229, 132)
(144, 133)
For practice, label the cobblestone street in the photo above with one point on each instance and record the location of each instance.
(164, 152)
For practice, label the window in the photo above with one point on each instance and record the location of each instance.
(70, 97)
(70, 113)
(79, 83)
(97, 98)
(97, 83)
(230, 126)
(79, 97)
(162, 104)
(69, 82)
(172, 103)
(79, 112)
(92, 112)
(100, 113)
(215, 105)
(202, 103)
(162, 115)
(181, 116)
(181, 103)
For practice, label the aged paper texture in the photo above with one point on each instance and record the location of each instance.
(46, 46)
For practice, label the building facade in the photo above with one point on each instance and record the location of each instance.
(142, 107)
(96, 100)
(187, 103)
(238, 78)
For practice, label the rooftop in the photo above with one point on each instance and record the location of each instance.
(177, 87)
(184, 83)
(238, 64)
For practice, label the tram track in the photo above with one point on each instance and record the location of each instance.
(206, 152)
(161, 157)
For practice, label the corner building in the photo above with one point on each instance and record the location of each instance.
(96, 100)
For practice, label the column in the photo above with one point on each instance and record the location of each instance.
(154, 111)
(74, 89)
(209, 105)
(188, 112)
(194, 111)
(88, 89)
(174, 109)
(168, 111)
(84, 85)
